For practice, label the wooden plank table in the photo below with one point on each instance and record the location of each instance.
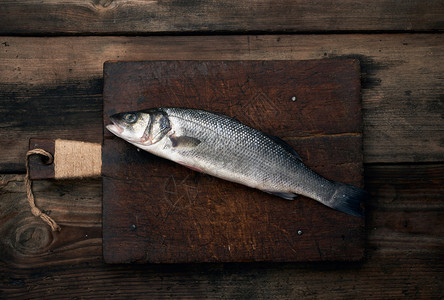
(135, 17)
(51, 58)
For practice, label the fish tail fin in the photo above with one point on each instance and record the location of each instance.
(348, 199)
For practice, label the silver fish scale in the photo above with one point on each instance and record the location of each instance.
(245, 155)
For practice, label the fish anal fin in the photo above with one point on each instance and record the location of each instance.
(288, 196)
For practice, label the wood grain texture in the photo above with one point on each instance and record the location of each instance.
(171, 16)
(52, 88)
(401, 84)
(158, 211)
(404, 256)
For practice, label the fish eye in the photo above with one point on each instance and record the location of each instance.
(130, 118)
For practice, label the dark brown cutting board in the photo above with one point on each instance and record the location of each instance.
(157, 211)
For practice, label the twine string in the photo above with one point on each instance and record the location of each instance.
(34, 209)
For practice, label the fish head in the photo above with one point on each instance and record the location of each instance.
(129, 126)
(142, 128)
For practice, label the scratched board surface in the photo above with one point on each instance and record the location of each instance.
(160, 212)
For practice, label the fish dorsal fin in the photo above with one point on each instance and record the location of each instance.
(284, 145)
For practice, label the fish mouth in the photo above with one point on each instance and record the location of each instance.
(117, 130)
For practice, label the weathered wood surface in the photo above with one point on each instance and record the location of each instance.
(404, 256)
(136, 17)
(401, 84)
(52, 88)
(158, 211)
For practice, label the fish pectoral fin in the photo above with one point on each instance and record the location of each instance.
(288, 196)
(184, 141)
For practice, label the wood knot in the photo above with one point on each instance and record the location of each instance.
(103, 3)
(32, 238)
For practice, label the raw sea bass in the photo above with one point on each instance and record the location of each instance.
(223, 147)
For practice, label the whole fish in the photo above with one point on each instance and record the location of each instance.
(223, 147)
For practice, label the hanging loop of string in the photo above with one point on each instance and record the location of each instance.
(34, 209)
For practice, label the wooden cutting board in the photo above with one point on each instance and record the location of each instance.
(160, 212)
